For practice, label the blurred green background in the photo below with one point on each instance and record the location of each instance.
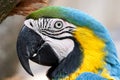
(105, 11)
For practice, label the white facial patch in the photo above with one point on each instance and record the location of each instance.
(61, 47)
(51, 30)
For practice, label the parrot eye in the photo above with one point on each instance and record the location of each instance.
(58, 24)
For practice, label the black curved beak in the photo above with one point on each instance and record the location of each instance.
(26, 43)
(30, 43)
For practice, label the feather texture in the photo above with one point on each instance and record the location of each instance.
(100, 61)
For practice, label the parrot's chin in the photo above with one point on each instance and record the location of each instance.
(31, 46)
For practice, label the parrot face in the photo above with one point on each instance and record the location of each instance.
(75, 45)
(45, 41)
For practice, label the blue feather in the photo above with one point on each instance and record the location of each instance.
(90, 76)
(82, 19)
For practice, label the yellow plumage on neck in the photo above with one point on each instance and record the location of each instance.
(93, 53)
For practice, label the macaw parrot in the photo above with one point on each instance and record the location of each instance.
(75, 45)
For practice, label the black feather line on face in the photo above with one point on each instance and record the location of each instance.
(54, 35)
(48, 30)
(46, 27)
(67, 65)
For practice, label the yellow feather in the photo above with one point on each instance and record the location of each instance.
(93, 51)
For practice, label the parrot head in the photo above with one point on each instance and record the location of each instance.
(67, 39)
(46, 41)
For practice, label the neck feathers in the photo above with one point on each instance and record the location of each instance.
(93, 52)
(90, 57)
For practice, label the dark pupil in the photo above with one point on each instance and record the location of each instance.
(59, 24)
